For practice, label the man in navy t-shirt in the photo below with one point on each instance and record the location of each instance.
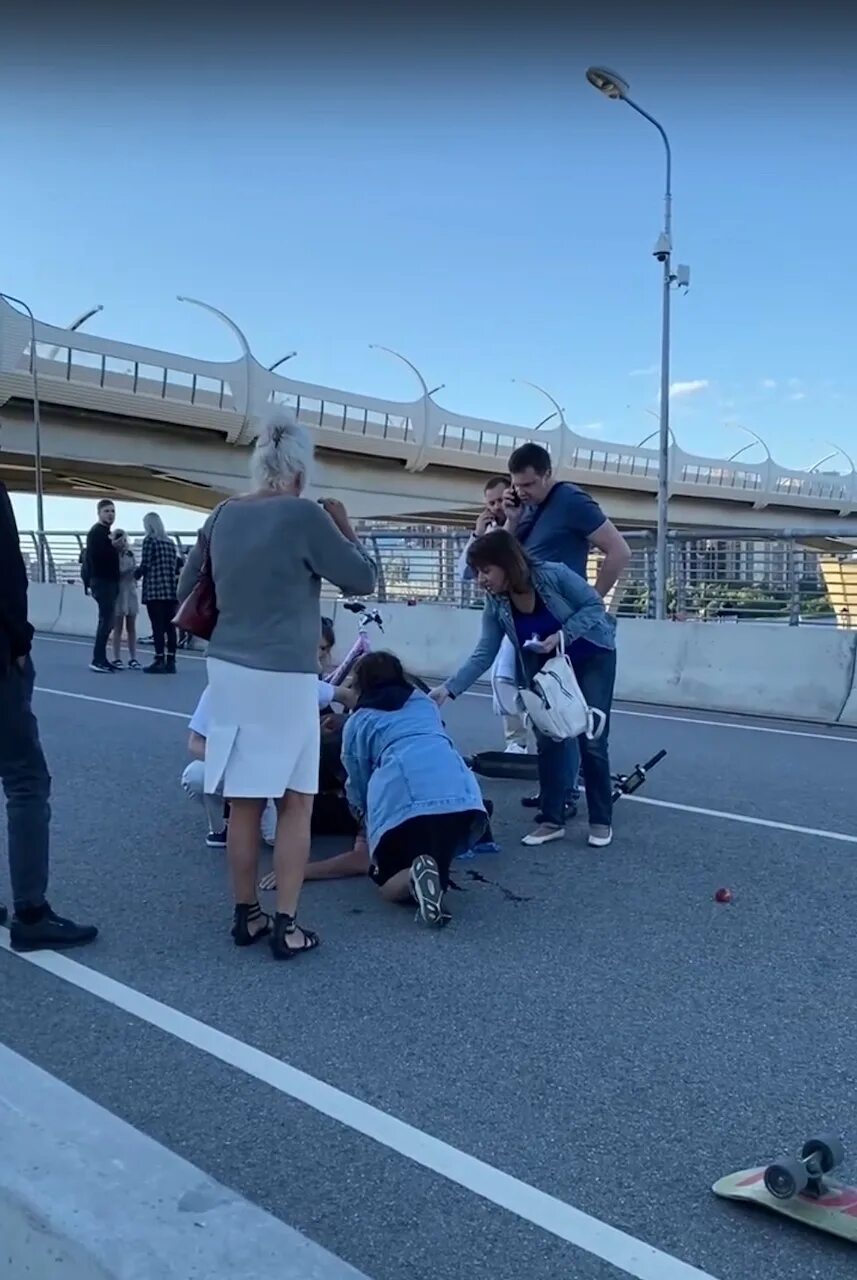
(558, 522)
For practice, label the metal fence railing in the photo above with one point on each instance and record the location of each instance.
(744, 577)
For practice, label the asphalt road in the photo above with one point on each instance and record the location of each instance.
(592, 1024)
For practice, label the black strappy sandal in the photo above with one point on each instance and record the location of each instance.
(284, 925)
(245, 914)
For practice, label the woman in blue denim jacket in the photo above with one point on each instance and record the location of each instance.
(531, 601)
(419, 802)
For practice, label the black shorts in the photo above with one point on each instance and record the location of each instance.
(442, 836)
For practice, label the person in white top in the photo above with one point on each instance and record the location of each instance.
(193, 782)
(193, 778)
(503, 681)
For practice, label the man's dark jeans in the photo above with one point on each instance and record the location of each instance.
(27, 785)
(105, 595)
(596, 676)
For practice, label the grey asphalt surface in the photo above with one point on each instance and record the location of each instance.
(590, 1023)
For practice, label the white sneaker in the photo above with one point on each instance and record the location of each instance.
(600, 837)
(515, 749)
(544, 834)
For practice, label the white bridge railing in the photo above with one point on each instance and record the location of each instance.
(104, 375)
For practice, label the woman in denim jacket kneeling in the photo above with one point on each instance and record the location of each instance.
(407, 782)
(531, 603)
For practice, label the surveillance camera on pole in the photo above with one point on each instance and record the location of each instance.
(663, 248)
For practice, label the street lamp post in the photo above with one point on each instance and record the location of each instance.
(427, 395)
(245, 347)
(558, 412)
(755, 440)
(613, 86)
(76, 324)
(282, 360)
(37, 432)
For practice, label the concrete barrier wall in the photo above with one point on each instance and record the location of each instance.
(767, 670)
(751, 668)
(45, 605)
(803, 673)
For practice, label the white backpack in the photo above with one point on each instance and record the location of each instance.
(555, 704)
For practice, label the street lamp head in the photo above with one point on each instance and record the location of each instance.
(607, 82)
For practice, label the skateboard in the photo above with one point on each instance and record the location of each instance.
(798, 1186)
(525, 768)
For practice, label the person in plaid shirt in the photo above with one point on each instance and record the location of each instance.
(159, 570)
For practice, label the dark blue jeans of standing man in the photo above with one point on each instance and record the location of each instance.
(596, 675)
(27, 785)
(105, 595)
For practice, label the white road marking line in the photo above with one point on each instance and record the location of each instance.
(713, 724)
(114, 702)
(819, 832)
(731, 724)
(741, 817)
(634, 1257)
(87, 644)
(617, 711)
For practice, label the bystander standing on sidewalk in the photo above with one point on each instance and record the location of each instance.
(100, 573)
(159, 569)
(23, 770)
(493, 516)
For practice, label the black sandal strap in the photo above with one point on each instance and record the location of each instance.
(283, 926)
(245, 914)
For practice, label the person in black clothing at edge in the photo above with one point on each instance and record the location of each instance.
(101, 579)
(24, 773)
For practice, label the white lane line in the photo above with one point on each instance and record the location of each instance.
(87, 644)
(819, 832)
(713, 724)
(113, 702)
(741, 817)
(617, 711)
(633, 1256)
(731, 724)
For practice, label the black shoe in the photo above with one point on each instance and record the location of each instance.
(156, 668)
(533, 802)
(170, 668)
(49, 933)
(216, 839)
(103, 668)
(427, 892)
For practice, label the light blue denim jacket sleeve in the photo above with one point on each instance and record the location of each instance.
(574, 590)
(483, 655)
(575, 604)
(356, 760)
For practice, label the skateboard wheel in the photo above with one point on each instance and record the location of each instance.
(829, 1149)
(786, 1178)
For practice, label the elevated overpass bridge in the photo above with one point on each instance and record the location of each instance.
(156, 426)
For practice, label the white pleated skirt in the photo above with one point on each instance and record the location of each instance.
(264, 735)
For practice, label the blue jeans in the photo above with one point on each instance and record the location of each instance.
(596, 675)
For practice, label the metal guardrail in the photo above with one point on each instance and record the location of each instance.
(85, 371)
(714, 578)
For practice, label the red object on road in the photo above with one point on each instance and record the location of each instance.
(723, 895)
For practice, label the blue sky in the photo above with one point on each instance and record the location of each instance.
(490, 225)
